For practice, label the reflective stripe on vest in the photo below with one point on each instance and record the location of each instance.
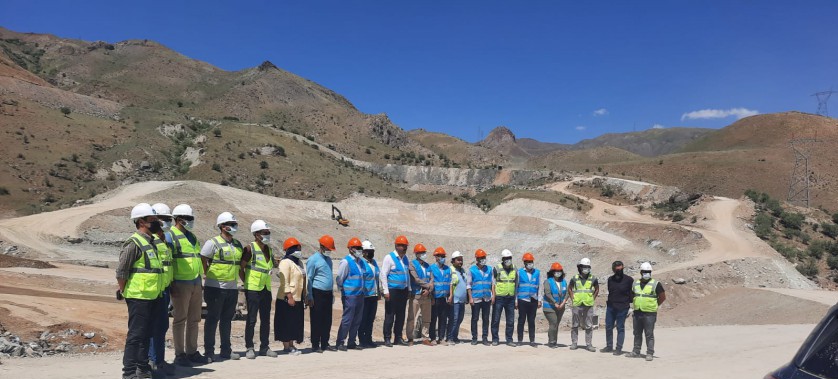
(557, 292)
(528, 288)
(645, 298)
(257, 274)
(225, 261)
(145, 280)
(422, 272)
(186, 257)
(397, 278)
(505, 285)
(353, 285)
(371, 278)
(583, 295)
(164, 253)
(481, 282)
(442, 281)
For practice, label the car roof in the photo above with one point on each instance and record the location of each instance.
(808, 346)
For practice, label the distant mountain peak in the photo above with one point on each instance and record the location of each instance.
(267, 65)
(499, 136)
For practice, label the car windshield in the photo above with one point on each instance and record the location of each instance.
(822, 360)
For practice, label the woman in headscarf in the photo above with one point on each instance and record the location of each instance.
(288, 323)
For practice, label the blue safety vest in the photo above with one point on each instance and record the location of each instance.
(528, 288)
(397, 279)
(353, 285)
(422, 272)
(442, 281)
(371, 278)
(481, 282)
(557, 293)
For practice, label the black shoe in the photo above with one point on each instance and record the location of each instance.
(331, 348)
(353, 346)
(401, 342)
(143, 374)
(618, 352)
(606, 349)
(474, 342)
(511, 344)
(388, 343)
(317, 350)
(341, 348)
(182, 360)
(204, 359)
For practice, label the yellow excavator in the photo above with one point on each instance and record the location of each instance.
(337, 216)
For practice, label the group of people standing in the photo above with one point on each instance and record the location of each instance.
(163, 263)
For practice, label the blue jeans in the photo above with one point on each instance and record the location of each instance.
(458, 312)
(504, 304)
(615, 317)
(350, 321)
(157, 345)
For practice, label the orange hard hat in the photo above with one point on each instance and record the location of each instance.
(353, 242)
(419, 248)
(289, 243)
(328, 242)
(401, 240)
(439, 251)
(480, 253)
(528, 257)
(556, 266)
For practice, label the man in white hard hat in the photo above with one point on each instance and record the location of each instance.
(221, 257)
(648, 296)
(583, 289)
(163, 243)
(372, 289)
(504, 289)
(139, 274)
(458, 297)
(187, 288)
(256, 264)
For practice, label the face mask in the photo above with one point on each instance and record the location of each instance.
(507, 263)
(618, 273)
(297, 254)
(189, 224)
(441, 261)
(357, 253)
(529, 266)
(155, 227)
(166, 225)
(266, 239)
(481, 261)
(646, 275)
(369, 254)
(422, 256)
(586, 271)
(327, 253)
(558, 274)
(232, 230)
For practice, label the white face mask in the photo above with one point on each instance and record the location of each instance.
(422, 256)
(507, 263)
(481, 261)
(586, 271)
(266, 239)
(358, 253)
(167, 225)
(189, 224)
(297, 254)
(327, 253)
(646, 276)
(232, 230)
(558, 275)
(529, 266)
(441, 261)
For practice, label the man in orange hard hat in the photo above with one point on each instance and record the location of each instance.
(320, 294)
(350, 278)
(419, 307)
(395, 283)
(481, 295)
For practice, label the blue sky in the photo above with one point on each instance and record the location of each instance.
(551, 70)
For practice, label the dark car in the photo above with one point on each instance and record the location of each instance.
(818, 357)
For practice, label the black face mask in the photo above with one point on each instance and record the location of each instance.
(369, 254)
(155, 227)
(618, 273)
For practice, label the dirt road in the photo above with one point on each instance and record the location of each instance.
(697, 352)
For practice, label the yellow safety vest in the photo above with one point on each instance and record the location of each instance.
(645, 298)
(583, 295)
(186, 257)
(257, 274)
(225, 261)
(164, 253)
(145, 282)
(505, 285)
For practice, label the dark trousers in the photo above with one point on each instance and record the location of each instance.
(350, 320)
(504, 304)
(142, 315)
(479, 310)
(458, 313)
(157, 344)
(526, 312)
(221, 308)
(644, 323)
(258, 308)
(440, 312)
(615, 318)
(394, 314)
(367, 320)
(320, 318)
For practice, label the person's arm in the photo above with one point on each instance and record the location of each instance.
(661, 293)
(342, 274)
(207, 252)
(547, 296)
(247, 255)
(540, 293)
(129, 254)
(596, 288)
(468, 286)
(515, 293)
(570, 286)
(311, 270)
(385, 270)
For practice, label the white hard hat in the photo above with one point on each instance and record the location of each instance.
(584, 262)
(367, 245)
(183, 210)
(646, 266)
(506, 253)
(141, 210)
(224, 218)
(258, 225)
(457, 254)
(162, 209)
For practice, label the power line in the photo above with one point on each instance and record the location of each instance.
(801, 176)
(823, 101)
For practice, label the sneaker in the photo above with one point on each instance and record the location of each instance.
(183, 360)
(649, 357)
(130, 376)
(232, 356)
(591, 349)
(633, 355)
(268, 353)
(574, 346)
(197, 358)
(294, 351)
(495, 343)
(474, 342)
(618, 352)
(606, 349)
(251, 354)
(511, 344)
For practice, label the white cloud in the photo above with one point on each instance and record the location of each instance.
(658, 126)
(581, 128)
(600, 112)
(719, 113)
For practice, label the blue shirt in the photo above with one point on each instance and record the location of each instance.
(319, 274)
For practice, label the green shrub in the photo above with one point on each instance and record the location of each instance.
(809, 268)
(216, 167)
(263, 165)
(832, 262)
(817, 248)
(792, 220)
(4, 191)
(65, 110)
(835, 218)
(789, 252)
(677, 217)
(829, 230)
(216, 132)
(763, 225)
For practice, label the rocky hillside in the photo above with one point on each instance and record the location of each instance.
(648, 143)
